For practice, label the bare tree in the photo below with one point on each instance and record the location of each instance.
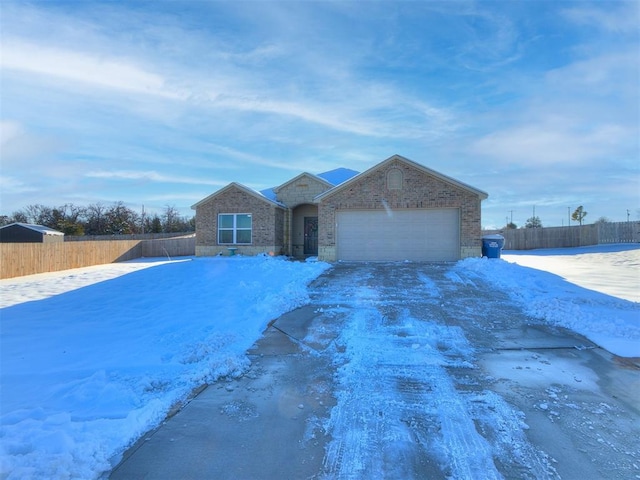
(121, 220)
(96, 219)
(171, 219)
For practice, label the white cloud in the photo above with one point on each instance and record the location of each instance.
(611, 74)
(21, 148)
(12, 185)
(8, 131)
(616, 17)
(550, 143)
(152, 176)
(583, 112)
(84, 67)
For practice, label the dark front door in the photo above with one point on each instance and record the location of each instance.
(310, 236)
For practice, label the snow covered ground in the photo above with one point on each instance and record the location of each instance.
(611, 269)
(93, 358)
(591, 290)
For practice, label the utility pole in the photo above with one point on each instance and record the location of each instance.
(628, 214)
(569, 215)
(534, 214)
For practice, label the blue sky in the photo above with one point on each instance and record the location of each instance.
(162, 103)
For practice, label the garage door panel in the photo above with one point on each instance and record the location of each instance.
(412, 234)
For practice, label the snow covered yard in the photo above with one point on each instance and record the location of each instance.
(612, 269)
(591, 290)
(93, 358)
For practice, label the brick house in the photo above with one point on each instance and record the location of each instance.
(396, 210)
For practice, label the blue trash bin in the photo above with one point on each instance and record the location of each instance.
(491, 245)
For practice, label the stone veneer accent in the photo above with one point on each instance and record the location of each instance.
(298, 194)
(267, 223)
(302, 189)
(419, 190)
(223, 250)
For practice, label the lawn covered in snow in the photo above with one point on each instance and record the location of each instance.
(93, 358)
(592, 290)
(611, 269)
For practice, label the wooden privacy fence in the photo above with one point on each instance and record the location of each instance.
(18, 259)
(169, 247)
(563, 237)
(133, 236)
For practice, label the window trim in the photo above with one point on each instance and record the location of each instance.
(234, 229)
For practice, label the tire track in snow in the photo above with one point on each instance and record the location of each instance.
(399, 413)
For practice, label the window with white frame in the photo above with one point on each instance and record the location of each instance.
(234, 228)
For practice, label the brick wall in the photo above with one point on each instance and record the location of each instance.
(267, 223)
(419, 190)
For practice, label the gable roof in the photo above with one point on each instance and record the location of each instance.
(332, 178)
(483, 195)
(37, 228)
(299, 177)
(239, 186)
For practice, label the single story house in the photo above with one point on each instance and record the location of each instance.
(29, 233)
(397, 210)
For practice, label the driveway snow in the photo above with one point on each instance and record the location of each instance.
(411, 401)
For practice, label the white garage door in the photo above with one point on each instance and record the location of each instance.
(396, 235)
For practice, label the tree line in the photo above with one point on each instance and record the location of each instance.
(100, 219)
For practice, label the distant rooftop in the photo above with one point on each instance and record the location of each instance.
(38, 228)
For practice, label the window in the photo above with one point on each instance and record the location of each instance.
(234, 228)
(394, 179)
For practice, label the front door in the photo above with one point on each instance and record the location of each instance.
(310, 236)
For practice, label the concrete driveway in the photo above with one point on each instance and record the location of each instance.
(406, 371)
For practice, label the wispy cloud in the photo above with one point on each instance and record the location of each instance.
(12, 185)
(18, 147)
(618, 17)
(579, 113)
(75, 66)
(549, 143)
(151, 176)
